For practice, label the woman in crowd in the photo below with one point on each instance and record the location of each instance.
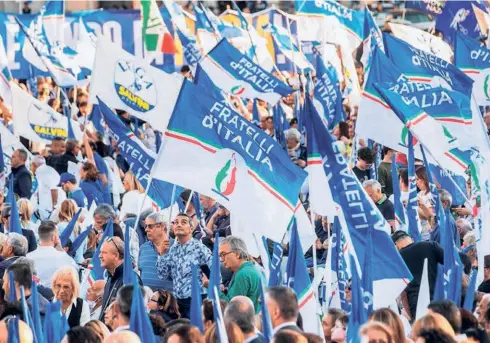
(392, 320)
(426, 202)
(68, 209)
(341, 132)
(234, 333)
(98, 327)
(90, 183)
(432, 321)
(329, 320)
(184, 333)
(66, 288)
(26, 212)
(376, 332)
(164, 304)
(338, 332)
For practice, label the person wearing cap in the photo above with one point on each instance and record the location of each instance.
(68, 183)
(414, 255)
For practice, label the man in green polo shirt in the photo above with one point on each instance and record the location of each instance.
(246, 280)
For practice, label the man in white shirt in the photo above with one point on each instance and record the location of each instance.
(49, 256)
(45, 196)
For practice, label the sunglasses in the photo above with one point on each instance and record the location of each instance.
(111, 239)
(151, 226)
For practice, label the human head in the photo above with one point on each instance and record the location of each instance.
(365, 158)
(292, 137)
(282, 305)
(401, 239)
(98, 328)
(156, 226)
(22, 277)
(482, 308)
(289, 336)
(431, 321)
(338, 332)
(14, 245)
(377, 332)
(469, 321)
(72, 147)
(183, 228)
(48, 233)
(464, 226)
(422, 180)
(434, 335)
(68, 182)
(96, 291)
(373, 189)
(19, 158)
(403, 178)
(102, 214)
(122, 308)
(65, 285)
(486, 267)
(185, 333)
(80, 334)
(208, 312)
(392, 320)
(6, 216)
(68, 209)
(449, 310)
(328, 321)
(445, 198)
(240, 310)
(233, 252)
(388, 152)
(124, 336)
(36, 162)
(341, 130)
(58, 146)
(234, 333)
(26, 209)
(111, 253)
(164, 301)
(206, 202)
(131, 183)
(89, 172)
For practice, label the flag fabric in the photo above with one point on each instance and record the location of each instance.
(221, 331)
(13, 330)
(388, 282)
(452, 265)
(127, 261)
(237, 74)
(95, 270)
(207, 31)
(2, 162)
(413, 221)
(469, 295)
(358, 315)
(196, 303)
(202, 80)
(77, 242)
(54, 326)
(423, 40)
(191, 52)
(239, 163)
(97, 121)
(288, 48)
(14, 221)
(438, 293)
(36, 120)
(458, 16)
(37, 328)
(367, 274)
(176, 13)
(482, 18)
(473, 59)
(85, 46)
(399, 209)
(125, 82)
(5, 76)
(139, 158)
(139, 320)
(298, 279)
(418, 65)
(215, 276)
(433, 8)
(424, 293)
(67, 232)
(256, 118)
(267, 327)
(275, 264)
(280, 124)
(12, 291)
(156, 37)
(25, 309)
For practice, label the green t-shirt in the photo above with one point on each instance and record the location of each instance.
(385, 178)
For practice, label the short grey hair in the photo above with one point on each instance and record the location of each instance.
(38, 160)
(240, 310)
(18, 243)
(293, 134)
(3, 238)
(445, 196)
(470, 238)
(236, 245)
(158, 218)
(105, 211)
(466, 225)
(372, 183)
(28, 262)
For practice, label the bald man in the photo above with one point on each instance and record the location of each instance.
(240, 310)
(124, 336)
(94, 298)
(25, 333)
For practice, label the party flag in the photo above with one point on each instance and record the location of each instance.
(14, 220)
(67, 232)
(196, 312)
(139, 320)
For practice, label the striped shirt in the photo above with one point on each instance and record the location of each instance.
(147, 265)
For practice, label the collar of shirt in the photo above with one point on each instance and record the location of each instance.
(282, 325)
(121, 328)
(381, 201)
(117, 272)
(69, 308)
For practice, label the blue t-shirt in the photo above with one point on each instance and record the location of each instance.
(79, 197)
(93, 191)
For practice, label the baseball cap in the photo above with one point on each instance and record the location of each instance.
(399, 234)
(66, 177)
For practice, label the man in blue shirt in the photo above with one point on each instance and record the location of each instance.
(68, 183)
(155, 228)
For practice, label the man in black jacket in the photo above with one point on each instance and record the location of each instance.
(71, 151)
(22, 176)
(283, 308)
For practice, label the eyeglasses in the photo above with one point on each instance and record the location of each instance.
(151, 226)
(223, 254)
(111, 239)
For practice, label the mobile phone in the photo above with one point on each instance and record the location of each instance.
(206, 270)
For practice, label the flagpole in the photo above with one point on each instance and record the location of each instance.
(189, 201)
(171, 206)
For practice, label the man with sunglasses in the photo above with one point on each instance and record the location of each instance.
(177, 260)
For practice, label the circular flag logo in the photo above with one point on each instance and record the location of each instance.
(237, 90)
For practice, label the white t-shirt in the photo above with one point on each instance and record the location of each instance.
(47, 179)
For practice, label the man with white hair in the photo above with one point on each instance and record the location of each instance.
(45, 196)
(240, 310)
(374, 191)
(15, 246)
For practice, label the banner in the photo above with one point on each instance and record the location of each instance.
(127, 83)
(36, 120)
(458, 16)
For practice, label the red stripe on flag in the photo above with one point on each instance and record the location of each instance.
(310, 163)
(192, 141)
(309, 296)
(262, 183)
(471, 72)
(371, 97)
(452, 120)
(449, 155)
(411, 123)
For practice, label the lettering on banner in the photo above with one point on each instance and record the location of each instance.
(480, 55)
(253, 74)
(45, 122)
(326, 91)
(428, 100)
(431, 62)
(334, 8)
(140, 163)
(239, 132)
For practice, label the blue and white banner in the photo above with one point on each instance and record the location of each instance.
(458, 16)
(237, 74)
(5, 77)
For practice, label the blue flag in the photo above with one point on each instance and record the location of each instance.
(439, 293)
(67, 232)
(339, 263)
(458, 16)
(14, 220)
(221, 331)
(215, 277)
(77, 242)
(265, 318)
(12, 290)
(399, 210)
(469, 295)
(37, 328)
(25, 310)
(139, 158)
(96, 270)
(196, 311)
(435, 196)
(202, 80)
(54, 327)
(452, 266)
(256, 118)
(139, 320)
(280, 124)
(196, 205)
(274, 263)
(190, 48)
(13, 330)
(413, 222)
(358, 315)
(367, 282)
(96, 120)
(127, 262)
(2, 162)
(434, 8)
(421, 66)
